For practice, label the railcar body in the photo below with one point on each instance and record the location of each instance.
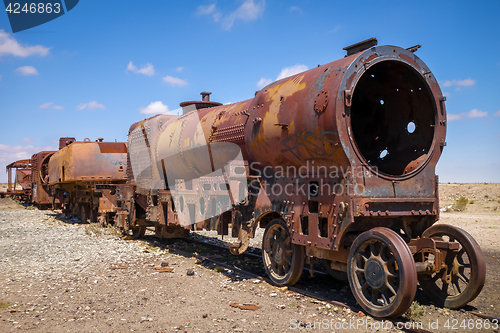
(337, 163)
(21, 187)
(80, 172)
(42, 196)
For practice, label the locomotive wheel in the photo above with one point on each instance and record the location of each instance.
(462, 280)
(336, 274)
(283, 260)
(138, 231)
(382, 273)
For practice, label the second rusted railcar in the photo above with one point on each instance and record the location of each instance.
(77, 168)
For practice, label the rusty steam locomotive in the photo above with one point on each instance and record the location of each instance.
(336, 163)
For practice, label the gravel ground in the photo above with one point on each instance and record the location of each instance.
(58, 276)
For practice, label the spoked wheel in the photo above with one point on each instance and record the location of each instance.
(283, 260)
(382, 273)
(336, 274)
(463, 278)
(138, 231)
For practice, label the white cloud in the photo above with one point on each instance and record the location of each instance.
(155, 108)
(292, 70)
(296, 9)
(334, 30)
(205, 10)
(51, 105)
(462, 83)
(27, 70)
(453, 117)
(248, 11)
(28, 140)
(9, 45)
(474, 113)
(497, 114)
(174, 81)
(263, 82)
(147, 69)
(91, 105)
(179, 69)
(9, 154)
(46, 105)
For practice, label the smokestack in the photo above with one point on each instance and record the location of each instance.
(205, 96)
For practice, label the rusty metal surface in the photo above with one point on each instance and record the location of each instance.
(382, 274)
(42, 195)
(22, 172)
(88, 162)
(331, 152)
(461, 276)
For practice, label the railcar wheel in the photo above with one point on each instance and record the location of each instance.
(463, 278)
(336, 274)
(138, 232)
(283, 260)
(382, 273)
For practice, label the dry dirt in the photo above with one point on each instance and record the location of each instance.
(57, 275)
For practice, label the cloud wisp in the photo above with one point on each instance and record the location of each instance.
(91, 106)
(459, 83)
(263, 82)
(9, 153)
(10, 46)
(248, 11)
(285, 72)
(50, 105)
(147, 69)
(474, 113)
(155, 108)
(27, 70)
(174, 81)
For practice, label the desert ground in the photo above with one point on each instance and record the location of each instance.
(60, 275)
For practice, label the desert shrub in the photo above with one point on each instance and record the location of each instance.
(460, 204)
(415, 312)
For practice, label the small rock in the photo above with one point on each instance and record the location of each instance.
(205, 315)
(273, 294)
(360, 314)
(283, 289)
(281, 306)
(164, 264)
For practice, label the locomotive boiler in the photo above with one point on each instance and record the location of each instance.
(337, 162)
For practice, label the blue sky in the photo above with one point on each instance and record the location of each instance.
(91, 72)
